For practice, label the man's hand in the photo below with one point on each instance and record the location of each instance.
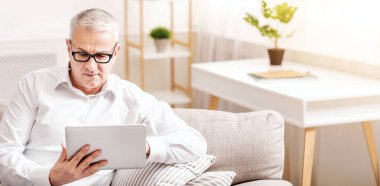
(65, 171)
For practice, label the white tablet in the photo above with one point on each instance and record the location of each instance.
(122, 145)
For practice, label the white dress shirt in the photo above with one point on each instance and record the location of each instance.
(32, 127)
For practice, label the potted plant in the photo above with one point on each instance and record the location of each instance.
(161, 37)
(281, 15)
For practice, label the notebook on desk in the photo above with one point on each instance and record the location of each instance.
(280, 74)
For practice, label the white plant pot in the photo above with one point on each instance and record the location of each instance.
(161, 44)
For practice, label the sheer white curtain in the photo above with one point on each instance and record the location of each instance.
(219, 25)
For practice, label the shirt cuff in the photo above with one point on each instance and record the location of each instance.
(40, 176)
(158, 149)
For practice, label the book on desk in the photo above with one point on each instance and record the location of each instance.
(280, 74)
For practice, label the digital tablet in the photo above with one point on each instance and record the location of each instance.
(122, 145)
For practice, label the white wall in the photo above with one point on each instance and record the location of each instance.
(340, 28)
(345, 29)
(42, 19)
(45, 21)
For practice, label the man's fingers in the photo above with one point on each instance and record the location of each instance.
(87, 160)
(79, 155)
(93, 168)
(63, 155)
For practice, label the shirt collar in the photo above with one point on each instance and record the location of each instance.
(64, 78)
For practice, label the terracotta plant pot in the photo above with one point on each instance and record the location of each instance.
(275, 56)
(161, 44)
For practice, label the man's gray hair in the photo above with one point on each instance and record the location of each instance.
(95, 20)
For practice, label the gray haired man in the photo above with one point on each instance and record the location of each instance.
(84, 93)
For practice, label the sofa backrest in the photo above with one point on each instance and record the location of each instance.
(250, 144)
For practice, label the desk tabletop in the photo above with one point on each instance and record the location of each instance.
(307, 101)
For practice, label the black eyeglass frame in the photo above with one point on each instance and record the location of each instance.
(92, 55)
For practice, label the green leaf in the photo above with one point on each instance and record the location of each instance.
(267, 12)
(270, 32)
(284, 13)
(265, 30)
(251, 19)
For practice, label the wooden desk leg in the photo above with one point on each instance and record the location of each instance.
(308, 155)
(370, 139)
(214, 101)
(287, 174)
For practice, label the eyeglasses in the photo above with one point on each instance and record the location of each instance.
(85, 56)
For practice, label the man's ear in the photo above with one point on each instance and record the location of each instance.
(117, 49)
(68, 46)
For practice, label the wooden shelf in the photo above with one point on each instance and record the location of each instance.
(177, 48)
(171, 97)
(151, 53)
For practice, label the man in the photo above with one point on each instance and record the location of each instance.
(84, 93)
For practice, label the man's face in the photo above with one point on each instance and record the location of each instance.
(90, 76)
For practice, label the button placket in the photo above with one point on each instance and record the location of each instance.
(85, 110)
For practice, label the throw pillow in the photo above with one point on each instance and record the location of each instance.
(160, 174)
(219, 178)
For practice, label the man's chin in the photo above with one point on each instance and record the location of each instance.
(92, 84)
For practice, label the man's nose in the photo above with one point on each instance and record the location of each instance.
(91, 64)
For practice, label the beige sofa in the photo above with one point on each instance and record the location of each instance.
(250, 144)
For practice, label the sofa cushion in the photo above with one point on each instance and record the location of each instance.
(163, 174)
(219, 178)
(250, 144)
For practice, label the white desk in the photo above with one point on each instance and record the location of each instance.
(330, 98)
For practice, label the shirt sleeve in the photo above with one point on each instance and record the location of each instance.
(15, 127)
(170, 139)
